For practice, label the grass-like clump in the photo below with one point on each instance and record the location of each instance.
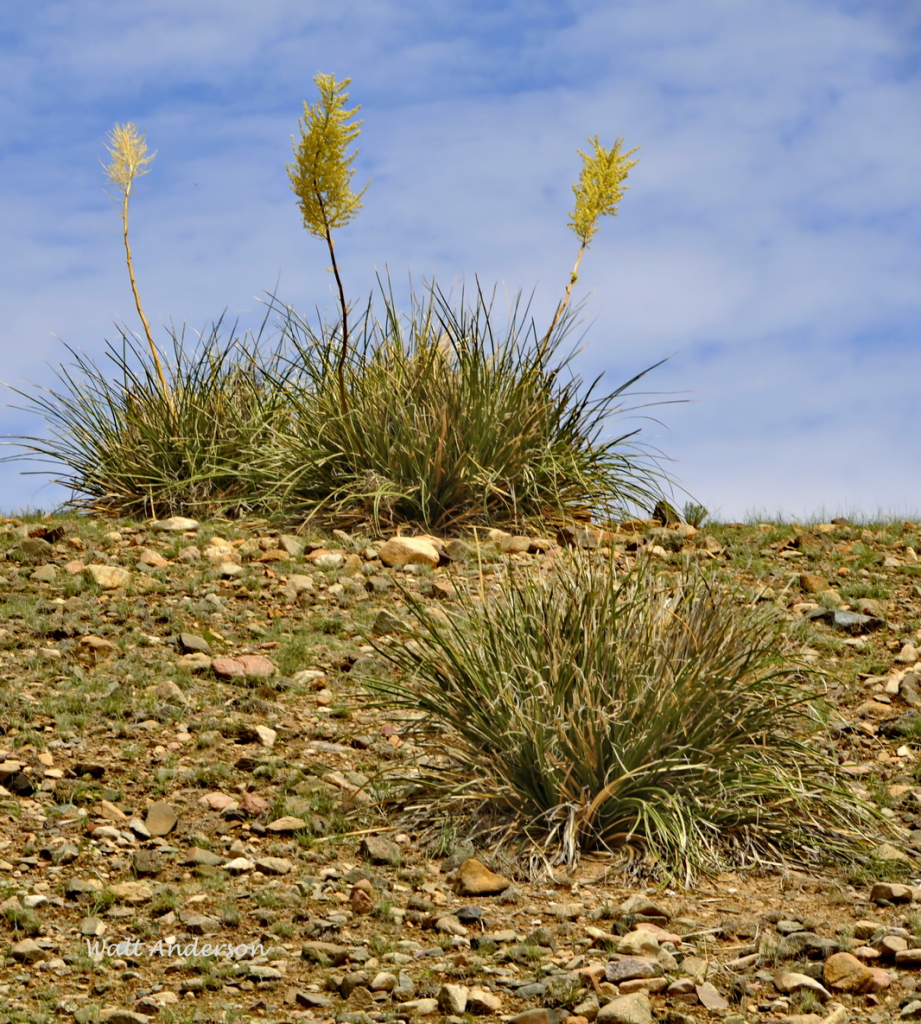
(597, 712)
(453, 417)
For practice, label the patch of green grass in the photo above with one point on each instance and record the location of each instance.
(875, 869)
(209, 776)
(22, 921)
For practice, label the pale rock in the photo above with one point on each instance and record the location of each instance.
(152, 558)
(274, 865)
(889, 945)
(97, 647)
(638, 943)
(710, 997)
(219, 801)
(108, 576)
(238, 866)
(161, 819)
(291, 545)
(788, 982)
(453, 999)
(252, 665)
(287, 823)
(175, 524)
(110, 812)
(650, 985)
(132, 892)
(298, 584)
(629, 1009)
(886, 851)
(420, 1007)
(117, 1015)
(168, 690)
(399, 551)
(28, 951)
(266, 735)
(908, 655)
(480, 1001)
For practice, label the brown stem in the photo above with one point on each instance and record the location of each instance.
(137, 302)
(573, 277)
(340, 369)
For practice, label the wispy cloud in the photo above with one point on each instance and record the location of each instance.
(770, 239)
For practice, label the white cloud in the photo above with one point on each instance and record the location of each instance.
(769, 238)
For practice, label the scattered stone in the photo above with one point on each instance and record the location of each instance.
(327, 954)
(146, 862)
(274, 865)
(381, 851)
(845, 973)
(400, 551)
(265, 735)
(175, 524)
(238, 866)
(288, 823)
(638, 943)
(386, 622)
(632, 967)
(116, 1015)
(190, 643)
(847, 622)
(710, 997)
(132, 892)
(480, 1001)
(161, 818)
(452, 999)
(27, 951)
(254, 666)
(420, 1007)
(110, 577)
(629, 1009)
(812, 584)
(474, 879)
(792, 981)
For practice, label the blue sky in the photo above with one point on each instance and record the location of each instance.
(770, 241)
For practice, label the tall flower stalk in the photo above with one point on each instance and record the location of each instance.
(598, 192)
(130, 159)
(321, 178)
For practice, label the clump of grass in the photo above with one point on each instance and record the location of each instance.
(597, 712)
(462, 419)
(129, 450)
(695, 514)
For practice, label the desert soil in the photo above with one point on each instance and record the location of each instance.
(193, 823)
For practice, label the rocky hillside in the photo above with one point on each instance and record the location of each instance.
(197, 800)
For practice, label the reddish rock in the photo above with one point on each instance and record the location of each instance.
(845, 973)
(252, 665)
(474, 879)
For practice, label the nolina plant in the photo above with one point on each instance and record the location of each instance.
(440, 415)
(130, 160)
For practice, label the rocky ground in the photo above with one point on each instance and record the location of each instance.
(191, 825)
